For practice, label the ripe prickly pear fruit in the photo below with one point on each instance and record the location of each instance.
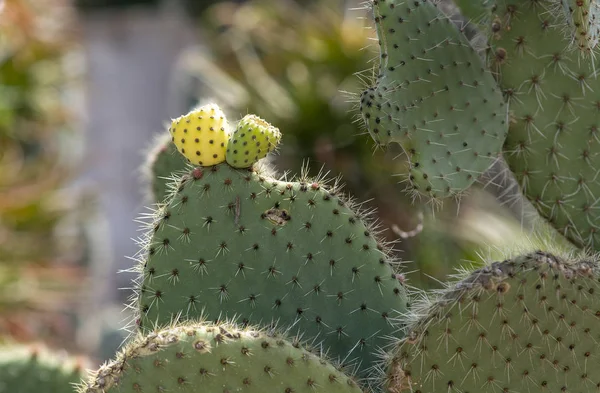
(32, 369)
(240, 243)
(215, 359)
(435, 97)
(202, 135)
(553, 144)
(252, 140)
(526, 324)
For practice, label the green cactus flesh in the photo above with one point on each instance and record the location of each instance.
(523, 325)
(164, 162)
(583, 23)
(434, 97)
(252, 140)
(217, 359)
(553, 146)
(26, 369)
(237, 243)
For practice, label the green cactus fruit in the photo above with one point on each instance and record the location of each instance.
(252, 140)
(163, 164)
(553, 146)
(215, 359)
(434, 97)
(239, 243)
(35, 369)
(524, 325)
(583, 23)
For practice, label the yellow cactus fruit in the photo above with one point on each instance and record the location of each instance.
(202, 135)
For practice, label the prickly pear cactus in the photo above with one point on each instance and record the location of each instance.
(215, 359)
(553, 146)
(241, 243)
(162, 164)
(527, 324)
(434, 97)
(28, 369)
(251, 141)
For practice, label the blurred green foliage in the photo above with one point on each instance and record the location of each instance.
(34, 121)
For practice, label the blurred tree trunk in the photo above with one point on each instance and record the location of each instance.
(130, 54)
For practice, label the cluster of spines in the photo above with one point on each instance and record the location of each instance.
(582, 24)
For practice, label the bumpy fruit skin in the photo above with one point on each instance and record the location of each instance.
(163, 163)
(31, 369)
(523, 325)
(238, 243)
(434, 97)
(215, 359)
(251, 141)
(202, 135)
(553, 146)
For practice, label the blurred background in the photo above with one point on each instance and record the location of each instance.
(86, 85)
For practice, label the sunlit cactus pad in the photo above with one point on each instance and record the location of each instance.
(530, 324)
(553, 146)
(35, 369)
(433, 96)
(239, 243)
(217, 359)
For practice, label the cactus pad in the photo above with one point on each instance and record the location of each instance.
(553, 146)
(252, 140)
(217, 359)
(163, 163)
(523, 325)
(238, 243)
(27, 369)
(434, 97)
(202, 135)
